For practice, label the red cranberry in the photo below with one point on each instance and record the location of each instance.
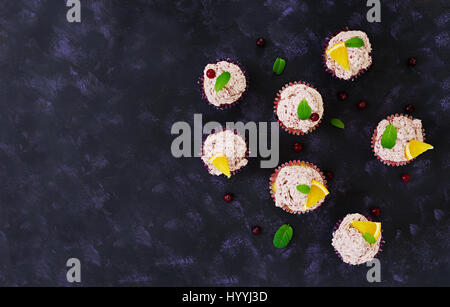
(260, 42)
(228, 197)
(210, 73)
(409, 108)
(405, 177)
(329, 175)
(375, 211)
(256, 230)
(298, 147)
(342, 96)
(362, 104)
(412, 61)
(314, 117)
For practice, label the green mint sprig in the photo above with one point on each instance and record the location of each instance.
(337, 123)
(389, 137)
(283, 236)
(278, 66)
(369, 238)
(354, 42)
(303, 188)
(222, 80)
(303, 110)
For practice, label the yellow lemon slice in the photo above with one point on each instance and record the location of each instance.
(374, 228)
(415, 148)
(220, 161)
(339, 53)
(317, 192)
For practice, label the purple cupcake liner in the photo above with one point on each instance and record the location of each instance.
(226, 106)
(380, 249)
(374, 139)
(273, 179)
(247, 152)
(324, 57)
(275, 108)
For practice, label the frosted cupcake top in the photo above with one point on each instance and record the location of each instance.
(359, 58)
(233, 89)
(351, 245)
(289, 103)
(227, 142)
(407, 129)
(286, 192)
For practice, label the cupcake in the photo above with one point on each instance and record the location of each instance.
(399, 139)
(298, 187)
(357, 240)
(224, 153)
(299, 108)
(223, 83)
(348, 54)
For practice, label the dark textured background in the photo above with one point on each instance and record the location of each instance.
(85, 165)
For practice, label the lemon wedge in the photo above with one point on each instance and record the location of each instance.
(373, 228)
(220, 161)
(415, 148)
(317, 192)
(339, 53)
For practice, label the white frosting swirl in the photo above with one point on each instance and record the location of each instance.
(351, 245)
(232, 91)
(288, 178)
(407, 130)
(287, 107)
(359, 58)
(227, 142)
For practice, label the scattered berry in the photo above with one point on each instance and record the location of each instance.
(314, 117)
(412, 61)
(329, 175)
(256, 230)
(298, 147)
(405, 177)
(362, 104)
(375, 211)
(228, 197)
(342, 96)
(210, 73)
(260, 42)
(409, 108)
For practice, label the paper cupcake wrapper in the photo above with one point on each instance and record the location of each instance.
(324, 57)
(273, 179)
(275, 108)
(224, 106)
(373, 141)
(380, 249)
(247, 152)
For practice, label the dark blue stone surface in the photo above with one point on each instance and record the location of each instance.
(85, 164)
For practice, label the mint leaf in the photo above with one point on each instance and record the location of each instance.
(283, 236)
(303, 110)
(278, 66)
(389, 137)
(369, 238)
(222, 80)
(337, 123)
(354, 42)
(303, 188)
